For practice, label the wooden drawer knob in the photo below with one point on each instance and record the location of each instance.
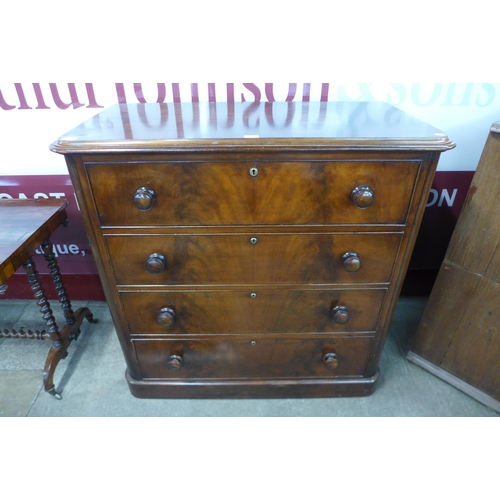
(351, 262)
(174, 363)
(166, 317)
(340, 315)
(362, 196)
(144, 198)
(156, 263)
(331, 361)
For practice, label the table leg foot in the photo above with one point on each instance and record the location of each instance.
(90, 318)
(54, 393)
(59, 352)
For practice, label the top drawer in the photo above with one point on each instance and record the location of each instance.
(204, 194)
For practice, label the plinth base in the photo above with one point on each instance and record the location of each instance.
(249, 388)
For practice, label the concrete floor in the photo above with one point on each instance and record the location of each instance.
(92, 383)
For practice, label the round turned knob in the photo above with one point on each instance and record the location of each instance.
(174, 363)
(156, 263)
(362, 196)
(144, 198)
(340, 315)
(166, 317)
(351, 262)
(331, 361)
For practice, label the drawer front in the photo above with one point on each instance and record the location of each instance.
(253, 258)
(198, 194)
(277, 358)
(252, 311)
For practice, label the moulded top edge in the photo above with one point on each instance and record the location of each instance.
(69, 147)
(179, 126)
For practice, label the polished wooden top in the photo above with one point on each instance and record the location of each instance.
(251, 126)
(24, 225)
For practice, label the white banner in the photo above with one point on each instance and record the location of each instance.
(32, 115)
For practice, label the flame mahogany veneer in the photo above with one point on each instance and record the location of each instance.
(251, 249)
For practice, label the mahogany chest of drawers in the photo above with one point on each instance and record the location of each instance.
(252, 250)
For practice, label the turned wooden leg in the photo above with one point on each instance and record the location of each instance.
(73, 320)
(55, 273)
(53, 330)
(60, 339)
(56, 353)
(41, 298)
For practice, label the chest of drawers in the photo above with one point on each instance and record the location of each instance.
(252, 250)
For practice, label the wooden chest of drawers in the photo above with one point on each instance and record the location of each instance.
(252, 250)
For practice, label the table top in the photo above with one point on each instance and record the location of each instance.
(282, 125)
(25, 225)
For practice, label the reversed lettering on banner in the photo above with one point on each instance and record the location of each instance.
(37, 96)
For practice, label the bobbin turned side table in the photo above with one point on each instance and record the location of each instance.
(24, 226)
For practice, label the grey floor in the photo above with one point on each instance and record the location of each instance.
(91, 379)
